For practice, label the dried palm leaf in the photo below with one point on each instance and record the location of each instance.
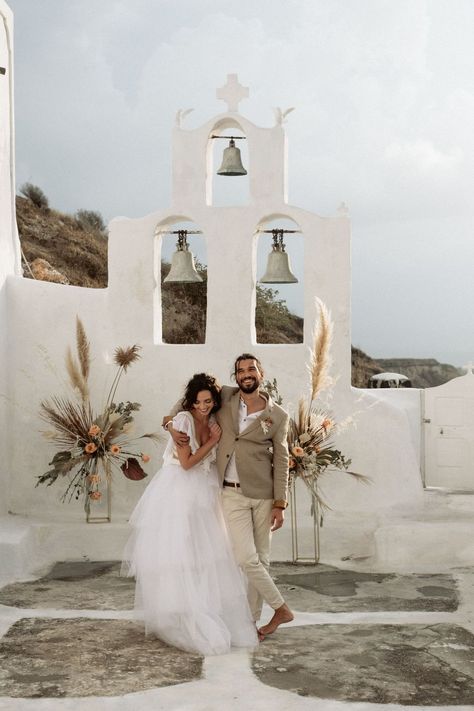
(154, 436)
(133, 470)
(71, 420)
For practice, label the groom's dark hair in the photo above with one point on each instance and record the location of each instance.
(246, 356)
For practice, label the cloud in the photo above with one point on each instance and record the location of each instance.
(421, 157)
(383, 93)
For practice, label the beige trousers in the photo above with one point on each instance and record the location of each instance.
(248, 522)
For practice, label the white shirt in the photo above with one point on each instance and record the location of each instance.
(245, 419)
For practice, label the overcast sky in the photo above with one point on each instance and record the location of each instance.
(384, 97)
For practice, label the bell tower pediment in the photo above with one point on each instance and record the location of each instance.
(192, 163)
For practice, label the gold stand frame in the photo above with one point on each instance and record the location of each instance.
(297, 559)
(105, 518)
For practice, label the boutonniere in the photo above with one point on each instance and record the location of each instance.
(266, 424)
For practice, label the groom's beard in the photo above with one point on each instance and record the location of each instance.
(249, 387)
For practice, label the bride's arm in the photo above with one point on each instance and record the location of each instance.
(185, 456)
(179, 438)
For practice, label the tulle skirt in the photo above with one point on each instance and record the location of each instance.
(189, 589)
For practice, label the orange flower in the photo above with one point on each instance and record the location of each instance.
(90, 448)
(145, 458)
(95, 495)
(94, 430)
(291, 463)
(93, 479)
(297, 451)
(115, 449)
(327, 424)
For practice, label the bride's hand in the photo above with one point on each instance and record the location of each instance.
(215, 432)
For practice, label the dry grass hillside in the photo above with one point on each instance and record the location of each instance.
(77, 253)
(66, 249)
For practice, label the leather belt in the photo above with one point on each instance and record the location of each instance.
(233, 484)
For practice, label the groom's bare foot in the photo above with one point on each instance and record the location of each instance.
(281, 615)
(260, 635)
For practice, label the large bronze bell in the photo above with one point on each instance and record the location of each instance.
(278, 269)
(278, 265)
(231, 161)
(182, 262)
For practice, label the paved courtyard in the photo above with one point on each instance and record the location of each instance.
(360, 640)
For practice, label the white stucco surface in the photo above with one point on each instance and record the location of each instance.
(42, 322)
(9, 243)
(382, 435)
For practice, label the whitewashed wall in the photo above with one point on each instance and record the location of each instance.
(42, 320)
(9, 244)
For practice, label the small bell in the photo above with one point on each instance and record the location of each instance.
(278, 265)
(182, 263)
(231, 161)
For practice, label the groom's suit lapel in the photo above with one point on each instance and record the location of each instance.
(257, 422)
(234, 409)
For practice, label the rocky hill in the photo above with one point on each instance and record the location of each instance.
(77, 253)
(363, 366)
(69, 250)
(423, 372)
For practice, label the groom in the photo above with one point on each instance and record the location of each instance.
(252, 460)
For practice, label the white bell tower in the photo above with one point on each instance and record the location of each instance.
(231, 234)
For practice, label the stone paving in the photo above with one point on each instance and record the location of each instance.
(358, 637)
(57, 657)
(403, 664)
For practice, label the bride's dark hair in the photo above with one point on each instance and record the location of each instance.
(199, 382)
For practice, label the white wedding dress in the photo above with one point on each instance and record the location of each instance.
(188, 586)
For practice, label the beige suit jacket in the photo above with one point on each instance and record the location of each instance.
(261, 450)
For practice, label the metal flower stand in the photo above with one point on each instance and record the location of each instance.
(299, 499)
(100, 511)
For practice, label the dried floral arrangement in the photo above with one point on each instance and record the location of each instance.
(312, 452)
(90, 445)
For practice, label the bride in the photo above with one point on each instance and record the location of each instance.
(188, 586)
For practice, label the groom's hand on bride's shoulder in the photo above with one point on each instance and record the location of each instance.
(181, 439)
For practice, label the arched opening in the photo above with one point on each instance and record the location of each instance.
(227, 151)
(181, 277)
(279, 301)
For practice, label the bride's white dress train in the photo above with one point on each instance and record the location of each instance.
(188, 587)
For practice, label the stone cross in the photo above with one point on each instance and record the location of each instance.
(468, 368)
(232, 92)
